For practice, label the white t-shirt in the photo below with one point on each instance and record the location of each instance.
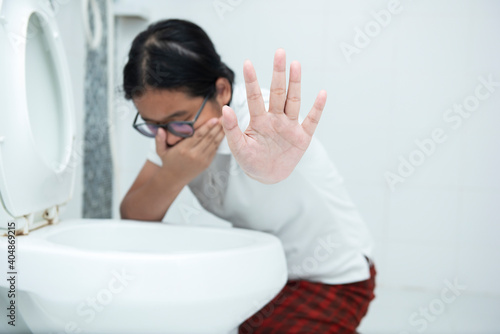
(324, 238)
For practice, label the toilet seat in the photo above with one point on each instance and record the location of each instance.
(30, 180)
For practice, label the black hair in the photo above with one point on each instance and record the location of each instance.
(174, 54)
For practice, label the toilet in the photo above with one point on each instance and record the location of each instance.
(101, 275)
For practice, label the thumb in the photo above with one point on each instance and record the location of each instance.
(231, 129)
(161, 142)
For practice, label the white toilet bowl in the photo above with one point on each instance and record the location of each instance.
(106, 276)
(97, 275)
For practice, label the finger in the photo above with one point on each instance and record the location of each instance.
(212, 144)
(278, 83)
(220, 136)
(201, 132)
(161, 141)
(255, 101)
(209, 137)
(233, 133)
(292, 104)
(312, 119)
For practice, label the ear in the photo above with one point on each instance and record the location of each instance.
(223, 88)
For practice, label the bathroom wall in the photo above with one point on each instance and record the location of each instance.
(411, 123)
(68, 15)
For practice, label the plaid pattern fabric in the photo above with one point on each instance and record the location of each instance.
(304, 307)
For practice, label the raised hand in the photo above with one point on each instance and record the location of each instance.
(274, 141)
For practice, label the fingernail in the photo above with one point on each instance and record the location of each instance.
(214, 121)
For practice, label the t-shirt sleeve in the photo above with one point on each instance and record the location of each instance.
(152, 155)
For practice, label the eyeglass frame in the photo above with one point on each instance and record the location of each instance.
(165, 125)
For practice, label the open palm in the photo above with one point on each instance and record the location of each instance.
(274, 141)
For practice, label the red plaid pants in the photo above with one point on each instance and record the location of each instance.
(304, 307)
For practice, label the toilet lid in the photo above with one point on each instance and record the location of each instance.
(37, 152)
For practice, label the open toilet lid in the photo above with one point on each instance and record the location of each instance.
(37, 158)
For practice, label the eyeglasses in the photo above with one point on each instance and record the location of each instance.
(182, 129)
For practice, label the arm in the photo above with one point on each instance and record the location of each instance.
(151, 194)
(155, 188)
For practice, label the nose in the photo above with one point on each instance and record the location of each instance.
(172, 139)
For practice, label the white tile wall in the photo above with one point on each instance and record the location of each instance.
(480, 158)
(478, 268)
(409, 218)
(74, 45)
(479, 220)
(401, 311)
(346, 140)
(435, 167)
(417, 264)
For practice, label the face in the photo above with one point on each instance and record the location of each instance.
(161, 106)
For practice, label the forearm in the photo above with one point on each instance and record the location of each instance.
(152, 200)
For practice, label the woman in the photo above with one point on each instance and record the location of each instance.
(250, 167)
